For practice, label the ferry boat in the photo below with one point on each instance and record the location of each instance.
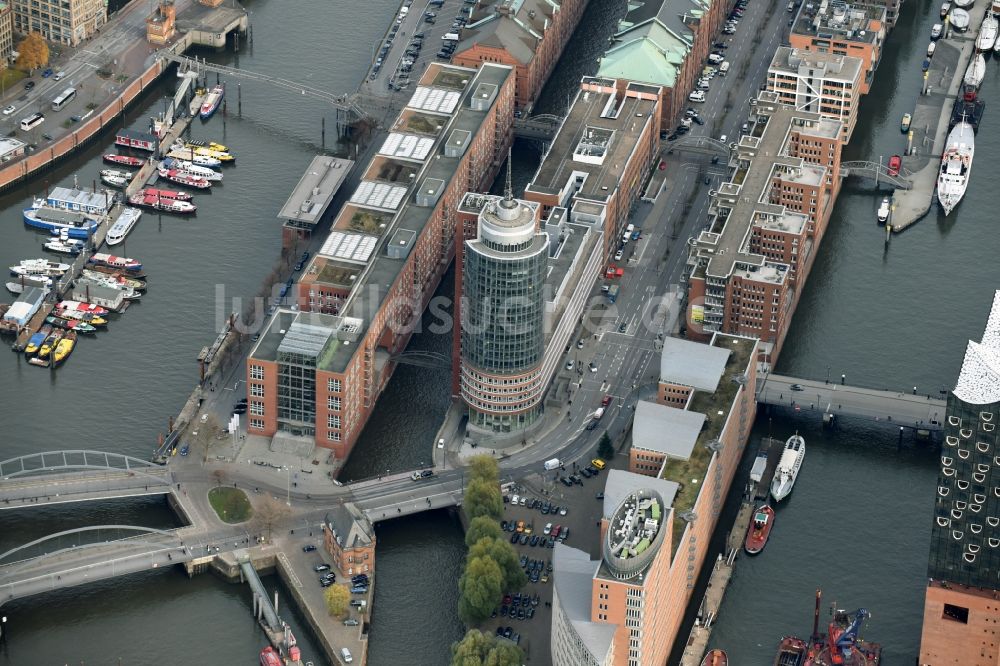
(181, 178)
(123, 263)
(270, 657)
(715, 657)
(883, 211)
(190, 148)
(115, 280)
(212, 101)
(936, 31)
(190, 155)
(791, 652)
(71, 325)
(759, 530)
(960, 20)
(185, 166)
(956, 166)
(39, 267)
(115, 178)
(64, 349)
(904, 124)
(123, 225)
(35, 341)
(76, 315)
(180, 195)
(80, 306)
(987, 38)
(975, 72)
(74, 224)
(124, 160)
(64, 246)
(788, 467)
(161, 203)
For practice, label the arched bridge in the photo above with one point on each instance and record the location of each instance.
(542, 127)
(423, 359)
(878, 172)
(704, 145)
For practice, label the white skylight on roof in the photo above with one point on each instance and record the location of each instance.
(352, 247)
(379, 195)
(407, 146)
(434, 99)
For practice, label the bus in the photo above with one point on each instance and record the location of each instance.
(32, 121)
(65, 98)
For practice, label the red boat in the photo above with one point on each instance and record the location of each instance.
(167, 194)
(270, 657)
(111, 261)
(181, 178)
(124, 159)
(791, 652)
(760, 530)
(162, 204)
(716, 657)
(895, 162)
(80, 306)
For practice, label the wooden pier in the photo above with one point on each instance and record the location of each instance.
(774, 449)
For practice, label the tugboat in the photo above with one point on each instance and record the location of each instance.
(716, 657)
(212, 101)
(791, 652)
(760, 530)
(788, 467)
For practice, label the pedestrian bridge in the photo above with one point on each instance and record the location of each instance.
(915, 410)
(878, 172)
(542, 127)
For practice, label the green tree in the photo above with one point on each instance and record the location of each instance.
(484, 467)
(480, 590)
(479, 649)
(483, 498)
(482, 527)
(337, 600)
(500, 551)
(33, 52)
(604, 448)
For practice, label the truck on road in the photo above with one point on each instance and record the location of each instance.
(552, 464)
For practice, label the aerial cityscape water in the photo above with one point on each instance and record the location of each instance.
(884, 316)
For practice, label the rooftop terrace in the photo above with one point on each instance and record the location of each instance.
(835, 19)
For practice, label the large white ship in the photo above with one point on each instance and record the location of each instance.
(956, 166)
(788, 467)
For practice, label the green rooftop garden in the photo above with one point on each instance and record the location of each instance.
(392, 172)
(690, 474)
(369, 222)
(450, 79)
(423, 124)
(335, 274)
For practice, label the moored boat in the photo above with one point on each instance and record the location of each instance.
(936, 31)
(964, 4)
(116, 178)
(122, 226)
(883, 211)
(788, 467)
(715, 657)
(945, 8)
(189, 148)
(42, 267)
(931, 48)
(211, 145)
(108, 270)
(791, 652)
(956, 166)
(116, 280)
(123, 263)
(50, 343)
(85, 317)
(64, 246)
(35, 341)
(71, 324)
(185, 166)
(162, 204)
(25, 282)
(180, 195)
(895, 164)
(74, 224)
(960, 19)
(64, 349)
(270, 657)
(975, 72)
(124, 160)
(201, 160)
(80, 306)
(904, 124)
(759, 530)
(987, 38)
(186, 179)
(212, 101)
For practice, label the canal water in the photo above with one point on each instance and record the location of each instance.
(856, 524)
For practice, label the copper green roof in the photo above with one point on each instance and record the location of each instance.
(647, 52)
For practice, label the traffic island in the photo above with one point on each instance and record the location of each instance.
(230, 504)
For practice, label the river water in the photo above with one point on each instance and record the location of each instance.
(857, 524)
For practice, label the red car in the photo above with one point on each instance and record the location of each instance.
(605, 401)
(555, 531)
(895, 162)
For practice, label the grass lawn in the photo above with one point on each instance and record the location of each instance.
(10, 77)
(231, 504)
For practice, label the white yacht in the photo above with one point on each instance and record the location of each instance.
(788, 467)
(956, 166)
(39, 267)
(883, 211)
(123, 225)
(987, 38)
(975, 72)
(960, 20)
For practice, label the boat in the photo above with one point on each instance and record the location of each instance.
(212, 101)
(71, 324)
(191, 168)
(211, 145)
(189, 148)
(162, 204)
(904, 124)
(791, 652)
(270, 657)
(883, 211)
(64, 349)
(987, 39)
(85, 317)
(123, 263)
(996, 46)
(895, 163)
(180, 195)
(975, 72)
(930, 49)
(841, 644)
(945, 8)
(715, 657)
(107, 270)
(960, 19)
(936, 31)
(35, 341)
(788, 467)
(964, 4)
(64, 246)
(956, 166)
(200, 160)
(759, 530)
(181, 178)
(50, 343)
(124, 160)
(39, 267)
(116, 178)
(54, 220)
(925, 65)
(44, 283)
(80, 306)
(116, 280)
(123, 225)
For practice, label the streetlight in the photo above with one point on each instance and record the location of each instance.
(288, 484)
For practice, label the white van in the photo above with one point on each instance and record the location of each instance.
(450, 37)
(403, 11)
(552, 464)
(345, 654)
(724, 67)
(628, 233)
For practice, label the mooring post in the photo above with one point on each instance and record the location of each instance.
(322, 133)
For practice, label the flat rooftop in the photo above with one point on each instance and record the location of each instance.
(665, 430)
(693, 364)
(810, 63)
(10, 145)
(316, 189)
(840, 21)
(595, 141)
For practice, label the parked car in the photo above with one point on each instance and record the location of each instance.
(47, 73)
(320, 567)
(308, 549)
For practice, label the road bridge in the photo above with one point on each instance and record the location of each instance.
(704, 145)
(911, 410)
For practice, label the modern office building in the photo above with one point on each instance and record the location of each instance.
(316, 372)
(835, 27)
(766, 223)
(64, 21)
(528, 35)
(626, 608)
(598, 162)
(961, 609)
(311, 198)
(818, 82)
(664, 44)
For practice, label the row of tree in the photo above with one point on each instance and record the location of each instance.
(491, 568)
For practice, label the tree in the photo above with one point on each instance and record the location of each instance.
(479, 649)
(482, 527)
(34, 52)
(337, 600)
(205, 432)
(500, 551)
(268, 512)
(604, 448)
(482, 498)
(480, 590)
(484, 467)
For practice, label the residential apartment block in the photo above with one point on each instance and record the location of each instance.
(601, 156)
(528, 35)
(6, 33)
(835, 27)
(765, 225)
(64, 21)
(818, 82)
(316, 372)
(626, 608)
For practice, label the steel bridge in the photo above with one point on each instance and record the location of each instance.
(878, 172)
(704, 145)
(542, 127)
(76, 459)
